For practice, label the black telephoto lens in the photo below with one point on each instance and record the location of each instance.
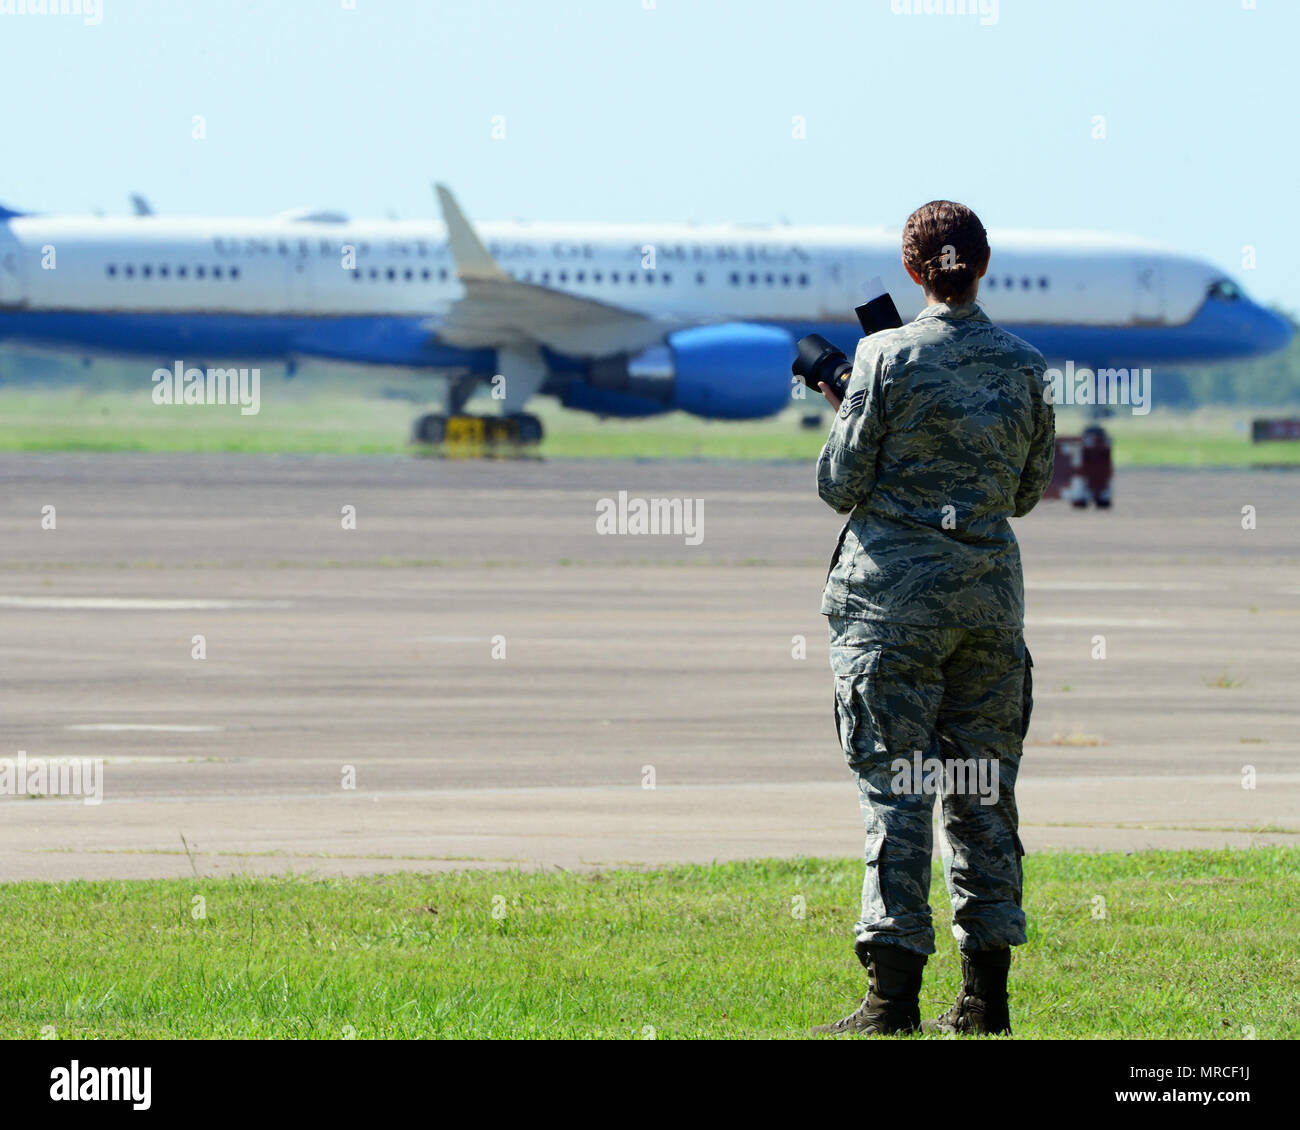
(818, 360)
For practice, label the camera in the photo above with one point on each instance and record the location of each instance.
(819, 361)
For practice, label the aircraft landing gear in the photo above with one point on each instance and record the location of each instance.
(529, 427)
(464, 436)
(430, 428)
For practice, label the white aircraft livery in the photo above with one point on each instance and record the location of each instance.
(618, 320)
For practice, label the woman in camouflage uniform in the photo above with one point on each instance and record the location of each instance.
(944, 434)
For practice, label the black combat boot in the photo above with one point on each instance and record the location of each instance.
(981, 1008)
(893, 1002)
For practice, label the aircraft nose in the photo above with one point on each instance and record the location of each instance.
(1273, 331)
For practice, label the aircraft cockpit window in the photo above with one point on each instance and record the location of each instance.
(1225, 290)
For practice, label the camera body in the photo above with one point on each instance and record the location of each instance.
(818, 361)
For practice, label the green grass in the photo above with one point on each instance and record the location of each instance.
(327, 416)
(1193, 944)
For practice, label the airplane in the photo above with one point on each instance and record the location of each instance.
(620, 320)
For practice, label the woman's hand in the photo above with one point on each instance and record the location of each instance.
(831, 399)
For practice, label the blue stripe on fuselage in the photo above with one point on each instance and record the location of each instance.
(1220, 331)
(362, 339)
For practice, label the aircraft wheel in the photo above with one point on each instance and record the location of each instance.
(430, 428)
(529, 428)
(1079, 503)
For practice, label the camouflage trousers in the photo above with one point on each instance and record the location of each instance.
(922, 712)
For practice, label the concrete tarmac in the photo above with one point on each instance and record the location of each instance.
(475, 676)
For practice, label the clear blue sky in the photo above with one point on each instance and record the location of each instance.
(683, 111)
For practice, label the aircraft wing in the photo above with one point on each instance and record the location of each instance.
(499, 311)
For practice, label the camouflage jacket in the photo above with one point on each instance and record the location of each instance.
(944, 434)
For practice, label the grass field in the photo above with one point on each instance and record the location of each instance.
(1192, 944)
(329, 417)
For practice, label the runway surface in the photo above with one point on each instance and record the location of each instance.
(499, 683)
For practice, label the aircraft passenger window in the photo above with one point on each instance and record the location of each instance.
(649, 277)
(595, 276)
(391, 274)
(785, 280)
(803, 280)
(1042, 282)
(146, 271)
(129, 272)
(666, 278)
(162, 272)
(112, 271)
(234, 272)
(546, 276)
(613, 276)
(356, 276)
(442, 274)
(408, 274)
(993, 282)
(564, 276)
(181, 272)
(283, 247)
(216, 272)
(753, 278)
(699, 278)
(769, 279)
(734, 278)
(198, 272)
(1026, 283)
(374, 272)
(426, 274)
(580, 276)
(1009, 283)
(631, 278)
